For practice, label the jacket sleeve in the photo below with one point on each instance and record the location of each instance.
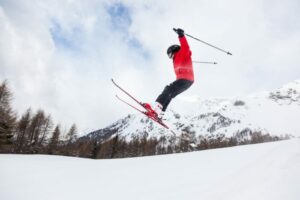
(184, 46)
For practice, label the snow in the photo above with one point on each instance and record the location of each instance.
(261, 172)
(275, 112)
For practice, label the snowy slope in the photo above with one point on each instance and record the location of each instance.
(276, 112)
(268, 171)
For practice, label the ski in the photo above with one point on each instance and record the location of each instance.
(144, 112)
(148, 111)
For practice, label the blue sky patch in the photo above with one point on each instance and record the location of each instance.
(121, 20)
(135, 44)
(120, 16)
(69, 41)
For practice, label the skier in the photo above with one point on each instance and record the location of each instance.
(183, 68)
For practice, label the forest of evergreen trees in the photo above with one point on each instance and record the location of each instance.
(35, 133)
(142, 145)
(32, 132)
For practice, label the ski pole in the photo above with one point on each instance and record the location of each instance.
(213, 63)
(227, 52)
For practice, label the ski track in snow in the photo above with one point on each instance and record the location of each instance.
(260, 172)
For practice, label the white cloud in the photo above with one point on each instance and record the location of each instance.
(60, 55)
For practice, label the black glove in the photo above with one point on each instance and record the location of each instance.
(179, 31)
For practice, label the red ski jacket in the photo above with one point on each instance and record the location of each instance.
(182, 61)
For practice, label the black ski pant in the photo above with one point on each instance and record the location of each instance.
(172, 90)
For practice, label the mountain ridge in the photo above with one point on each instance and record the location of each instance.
(273, 112)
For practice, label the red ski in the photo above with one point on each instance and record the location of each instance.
(149, 112)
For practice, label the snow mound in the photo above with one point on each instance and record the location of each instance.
(268, 171)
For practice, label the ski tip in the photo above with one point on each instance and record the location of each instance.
(229, 53)
(118, 97)
(112, 80)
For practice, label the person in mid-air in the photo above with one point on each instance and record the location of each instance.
(183, 67)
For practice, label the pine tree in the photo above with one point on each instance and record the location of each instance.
(71, 137)
(22, 132)
(46, 129)
(36, 127)
(7, 119)
(54, 140)
(72, 134)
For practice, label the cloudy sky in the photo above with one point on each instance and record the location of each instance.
(60, 55)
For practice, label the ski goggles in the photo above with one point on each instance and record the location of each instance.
(170, 55)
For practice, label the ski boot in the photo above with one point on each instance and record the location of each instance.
(155, 113)
(149, 111)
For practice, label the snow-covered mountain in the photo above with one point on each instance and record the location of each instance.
(276, 112)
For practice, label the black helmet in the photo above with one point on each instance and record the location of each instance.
(173, 49)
